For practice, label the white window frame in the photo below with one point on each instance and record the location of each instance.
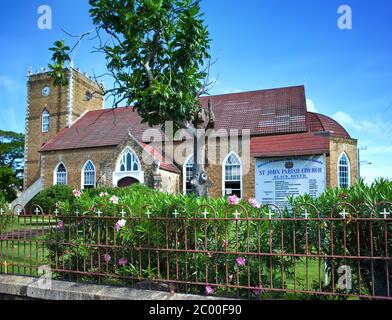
(184, 171)
(224, 173)
(119, 175)
(348, 167)
(84, 175)
(45, 125)
(123, 160)
(55, 177)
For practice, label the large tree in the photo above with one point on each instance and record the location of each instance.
(157, 52)
(11, 163)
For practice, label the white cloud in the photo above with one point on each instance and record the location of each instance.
(7, 83)
(360, 125)
(11, 117)
(311, 106)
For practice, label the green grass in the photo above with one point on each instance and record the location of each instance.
(20, 223)
(22, 257)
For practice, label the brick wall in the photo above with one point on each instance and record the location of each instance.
(337, 147)
(74, 161)
(57, 104)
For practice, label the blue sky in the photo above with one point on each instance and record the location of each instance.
(258, 44)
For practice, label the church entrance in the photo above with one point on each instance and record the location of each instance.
(126, 182)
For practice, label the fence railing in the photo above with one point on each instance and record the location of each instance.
(269, 255)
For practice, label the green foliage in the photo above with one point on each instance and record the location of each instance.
(48, 198)
(157, 56)
(11, 163)
(207, 237)
(352, 237)
(8, 183)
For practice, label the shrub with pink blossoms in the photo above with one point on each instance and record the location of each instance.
(254, 203)
(240, 261)
(114, 200)
(233, 200)
(209, 290)
(77, 193)
(120, 224)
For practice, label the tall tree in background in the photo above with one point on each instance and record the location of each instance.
(157, 52)
(11, 163)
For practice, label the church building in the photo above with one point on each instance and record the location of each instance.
(281, 148)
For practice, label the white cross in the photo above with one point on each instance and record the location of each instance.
(344, 214)
(306, 214)
(56, 212)
(385, 213)
(176, 213)
(19, 211)
(270, 214)
(37, 211)
(122, 213)
(148, 214)
(236, 214)
(205, 213)
(77, 212)
(99, 212)
(1, 211)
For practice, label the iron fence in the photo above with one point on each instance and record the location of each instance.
(274, 254)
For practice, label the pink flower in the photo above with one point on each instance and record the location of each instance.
(114, 200)
(240, 261)
(233, 200)
(209, 254)
(122, 262)
(103, 194)
(120, 224)
(253, 202)
(107, 258)
(77, 193)
(258, 291)
(60, 225)
(209, 290)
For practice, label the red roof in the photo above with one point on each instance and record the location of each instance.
(168, 166)
(277, 119)
(297, 144)
(281, 110)
(319, 122)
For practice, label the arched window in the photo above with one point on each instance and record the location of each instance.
(45, 121)
(61, 175)
(89, 176)
(129, 162)
(344, 171)
(232, 175)
(188, 174)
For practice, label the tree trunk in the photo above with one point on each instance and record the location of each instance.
(200, 179)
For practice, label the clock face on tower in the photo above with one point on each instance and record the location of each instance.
(46, 91)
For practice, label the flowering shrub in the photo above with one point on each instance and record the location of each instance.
(215, 241)
(349, 237)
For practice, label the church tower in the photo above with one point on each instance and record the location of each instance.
(52, 108)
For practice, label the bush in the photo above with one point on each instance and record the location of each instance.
(48, 198)
(205, 237)
(349, 235)
(4, 220)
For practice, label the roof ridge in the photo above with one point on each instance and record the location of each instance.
(253, 91)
